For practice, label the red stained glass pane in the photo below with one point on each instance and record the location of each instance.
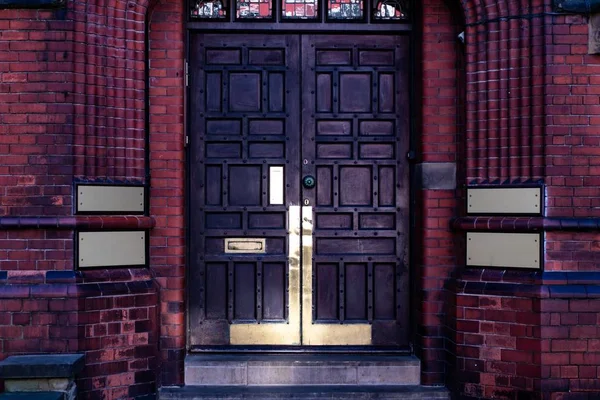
(392, 9)
(345, 9)
(299, 9)
(208, 9)
(254, 9)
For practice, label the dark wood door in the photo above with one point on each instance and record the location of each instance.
(278, 259)
(354, 142)
(245, 150)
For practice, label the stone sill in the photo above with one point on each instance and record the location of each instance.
(41, 366)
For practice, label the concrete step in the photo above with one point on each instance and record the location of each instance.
(295, 370)
(406, 392)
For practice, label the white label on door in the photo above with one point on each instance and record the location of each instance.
(276, 185)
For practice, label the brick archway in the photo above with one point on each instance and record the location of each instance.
(442, 141)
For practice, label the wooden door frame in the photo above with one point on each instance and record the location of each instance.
(300, 28)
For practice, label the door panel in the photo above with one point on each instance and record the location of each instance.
(266, 111)
(355, 133)
(244, 166)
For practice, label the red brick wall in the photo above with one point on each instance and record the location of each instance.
(110, 316)
(498, 336)
(441, 122)
(36, 112)
(570, 346)
(573, 155)
(531, 106)
(73, 102)
(118, 331)
(36, 87)
(518, 103)
(167, 241)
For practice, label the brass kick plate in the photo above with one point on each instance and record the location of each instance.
(245, 245)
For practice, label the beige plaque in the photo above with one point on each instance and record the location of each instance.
(110, 199)
(504, 200)
(245, 245)
(492, 249)
(109, 249)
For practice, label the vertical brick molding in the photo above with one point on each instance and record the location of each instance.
(505, 90)
(109, 89)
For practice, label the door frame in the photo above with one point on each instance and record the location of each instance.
(301, 28)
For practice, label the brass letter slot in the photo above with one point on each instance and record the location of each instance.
(245, 245)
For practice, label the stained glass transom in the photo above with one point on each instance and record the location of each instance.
(302, 9)
(208, 9)
(345, 9)
(254, 9)
(391, 9)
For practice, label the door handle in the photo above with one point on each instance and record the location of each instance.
(309, 181)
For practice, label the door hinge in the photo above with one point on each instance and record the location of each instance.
(187, 74)
(186, 141)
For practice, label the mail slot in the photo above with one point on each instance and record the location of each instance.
(245, 245)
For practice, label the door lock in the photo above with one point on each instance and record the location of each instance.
(309, 181)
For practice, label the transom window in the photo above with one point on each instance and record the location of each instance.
(365, 11)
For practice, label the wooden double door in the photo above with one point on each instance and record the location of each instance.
(298, 190)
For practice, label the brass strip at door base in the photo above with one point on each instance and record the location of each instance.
(264, 334)
(278, 333)
(323, 334)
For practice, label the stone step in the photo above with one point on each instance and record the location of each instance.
(295, 370)
(41, 366)
(33, 396)
(407, 392)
